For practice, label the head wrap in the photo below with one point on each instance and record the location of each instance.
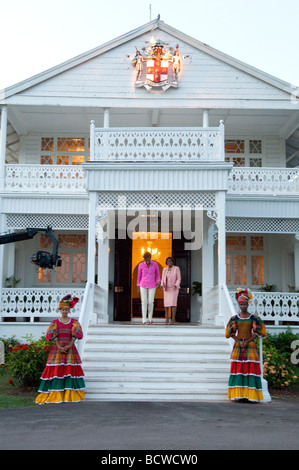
(68, 301)
(244, 295)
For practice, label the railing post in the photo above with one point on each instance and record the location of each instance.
(205, 118)
(3, 132)
(92, 134)
(266, 394)
(222, 140)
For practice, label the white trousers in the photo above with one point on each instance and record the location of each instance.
(147, 303)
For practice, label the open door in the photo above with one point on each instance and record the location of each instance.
(183, 261)
(122, 279)
(127, 304)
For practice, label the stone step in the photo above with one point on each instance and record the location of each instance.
(207, 394)
(156, 362)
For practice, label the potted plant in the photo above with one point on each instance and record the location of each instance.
(196, 288)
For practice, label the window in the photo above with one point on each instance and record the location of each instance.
(64, 150)
(245, 261)
(73, 253)
(240, 152)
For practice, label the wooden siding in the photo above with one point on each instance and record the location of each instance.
(110, 76)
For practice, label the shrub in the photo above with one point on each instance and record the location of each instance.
(26, 362)
(281, 341)
(277, 368)
(9, 343)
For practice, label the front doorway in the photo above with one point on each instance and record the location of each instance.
(128, 254)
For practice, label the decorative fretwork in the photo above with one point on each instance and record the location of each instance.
(264, 181)
(159, 199)
(66, 222)
(273, 306)
(38, 302)
(262, 225)
(163, 144)
(49, 178)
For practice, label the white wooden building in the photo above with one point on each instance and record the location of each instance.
(100, 153)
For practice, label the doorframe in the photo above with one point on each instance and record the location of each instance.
(127, 289)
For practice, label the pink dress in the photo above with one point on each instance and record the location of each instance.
(171, 282)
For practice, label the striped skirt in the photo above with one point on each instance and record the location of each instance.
(245, 375)
(62, 382)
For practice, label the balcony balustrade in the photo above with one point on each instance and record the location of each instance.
(60, 178)
(44, 178)
(152, 145)
(264, 181)
(274, 307)
(27, 304)
(157, 144)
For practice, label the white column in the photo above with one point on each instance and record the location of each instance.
(103, 279)
(92, 132)
(106, 118)
(91, 237)
(220, 205)
(296, 260)
(2, 223)
(3, 132)
(208, 317)
(205, 118)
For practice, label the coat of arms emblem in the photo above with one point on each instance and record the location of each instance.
(157, 66)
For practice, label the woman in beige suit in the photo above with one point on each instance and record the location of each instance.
(171, 282)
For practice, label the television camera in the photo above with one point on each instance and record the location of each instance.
(42, 259)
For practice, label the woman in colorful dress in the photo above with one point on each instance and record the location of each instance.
(245, 382)
(171, 282)
(62, 379)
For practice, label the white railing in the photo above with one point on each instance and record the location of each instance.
(157, 144)
(85, 313)
(61, 178)
(274, 306)
(37, 303)
(227, 307)
(264, 181)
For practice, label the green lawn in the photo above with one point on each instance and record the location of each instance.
(13, 396)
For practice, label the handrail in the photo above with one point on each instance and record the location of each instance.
(226, 306)
(86, 309)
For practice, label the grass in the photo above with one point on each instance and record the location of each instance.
(13, 396)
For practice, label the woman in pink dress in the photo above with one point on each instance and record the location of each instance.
(171, 282)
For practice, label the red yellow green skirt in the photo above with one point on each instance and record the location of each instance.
(245, 381)
(61, 383)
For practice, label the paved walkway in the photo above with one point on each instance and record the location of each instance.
(152, 426)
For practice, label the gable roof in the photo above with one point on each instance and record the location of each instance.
(148, 27)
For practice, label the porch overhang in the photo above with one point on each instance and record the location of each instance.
(157, 176)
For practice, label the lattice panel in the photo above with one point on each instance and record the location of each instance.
(160, 200)
(66, 222)
(262, 225)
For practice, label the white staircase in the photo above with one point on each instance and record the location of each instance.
(156, 362)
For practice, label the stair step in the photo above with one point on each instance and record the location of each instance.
(156, 362)
(203, 395)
